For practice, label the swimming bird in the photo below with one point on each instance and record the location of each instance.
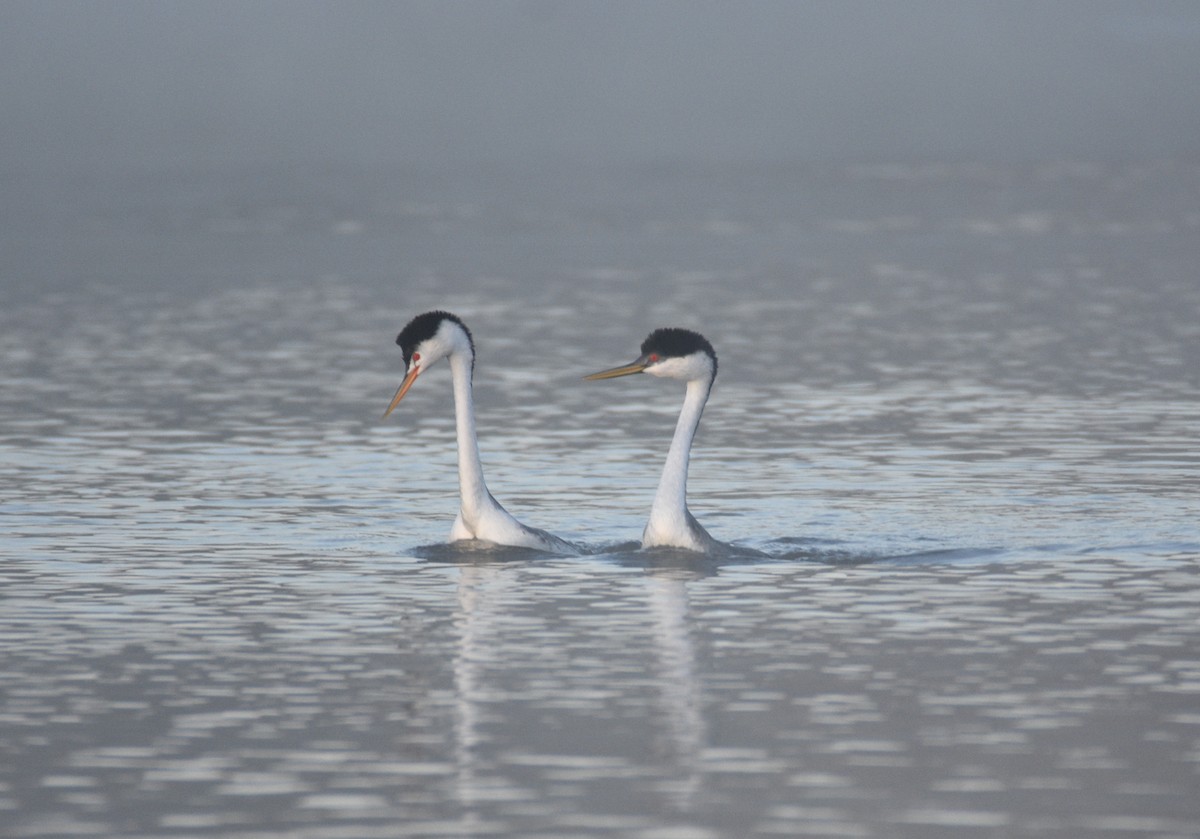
(428, 338)
(674, 353)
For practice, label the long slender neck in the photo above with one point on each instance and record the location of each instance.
(671, 497)
(471, 487)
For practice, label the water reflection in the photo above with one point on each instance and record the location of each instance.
(477, 649)
(681, 710)
(487, 598)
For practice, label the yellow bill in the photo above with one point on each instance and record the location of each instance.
(403, 389)
(626, 370)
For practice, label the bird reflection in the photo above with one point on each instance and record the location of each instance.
(679, 687)
(478, 586)
(485, 600)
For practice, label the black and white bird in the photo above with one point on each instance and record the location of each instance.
(428, 338)
(673, 353)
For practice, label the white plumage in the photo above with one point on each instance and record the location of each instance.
(427, 339)
(685, 355)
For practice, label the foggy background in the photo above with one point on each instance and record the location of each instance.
(90, 85)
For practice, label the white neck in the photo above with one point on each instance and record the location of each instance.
(670, 523)
(471, 487)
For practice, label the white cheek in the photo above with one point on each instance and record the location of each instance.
(687, 368)
(429, 352)
(425, 363)
(669, 369)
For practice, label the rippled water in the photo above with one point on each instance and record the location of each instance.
(957, 409)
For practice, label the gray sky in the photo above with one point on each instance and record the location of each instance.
(91, 83)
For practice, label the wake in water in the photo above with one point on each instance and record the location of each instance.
(632, 555)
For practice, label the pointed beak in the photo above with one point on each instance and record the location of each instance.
(403, 389)
(625, 370)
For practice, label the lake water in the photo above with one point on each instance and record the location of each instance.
(958, 408)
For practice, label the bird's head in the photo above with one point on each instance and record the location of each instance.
(425, 340)
(670, 353)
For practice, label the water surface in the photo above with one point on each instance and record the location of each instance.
(957, 410)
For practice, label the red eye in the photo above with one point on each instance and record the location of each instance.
(654, 356)
(416, 356)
